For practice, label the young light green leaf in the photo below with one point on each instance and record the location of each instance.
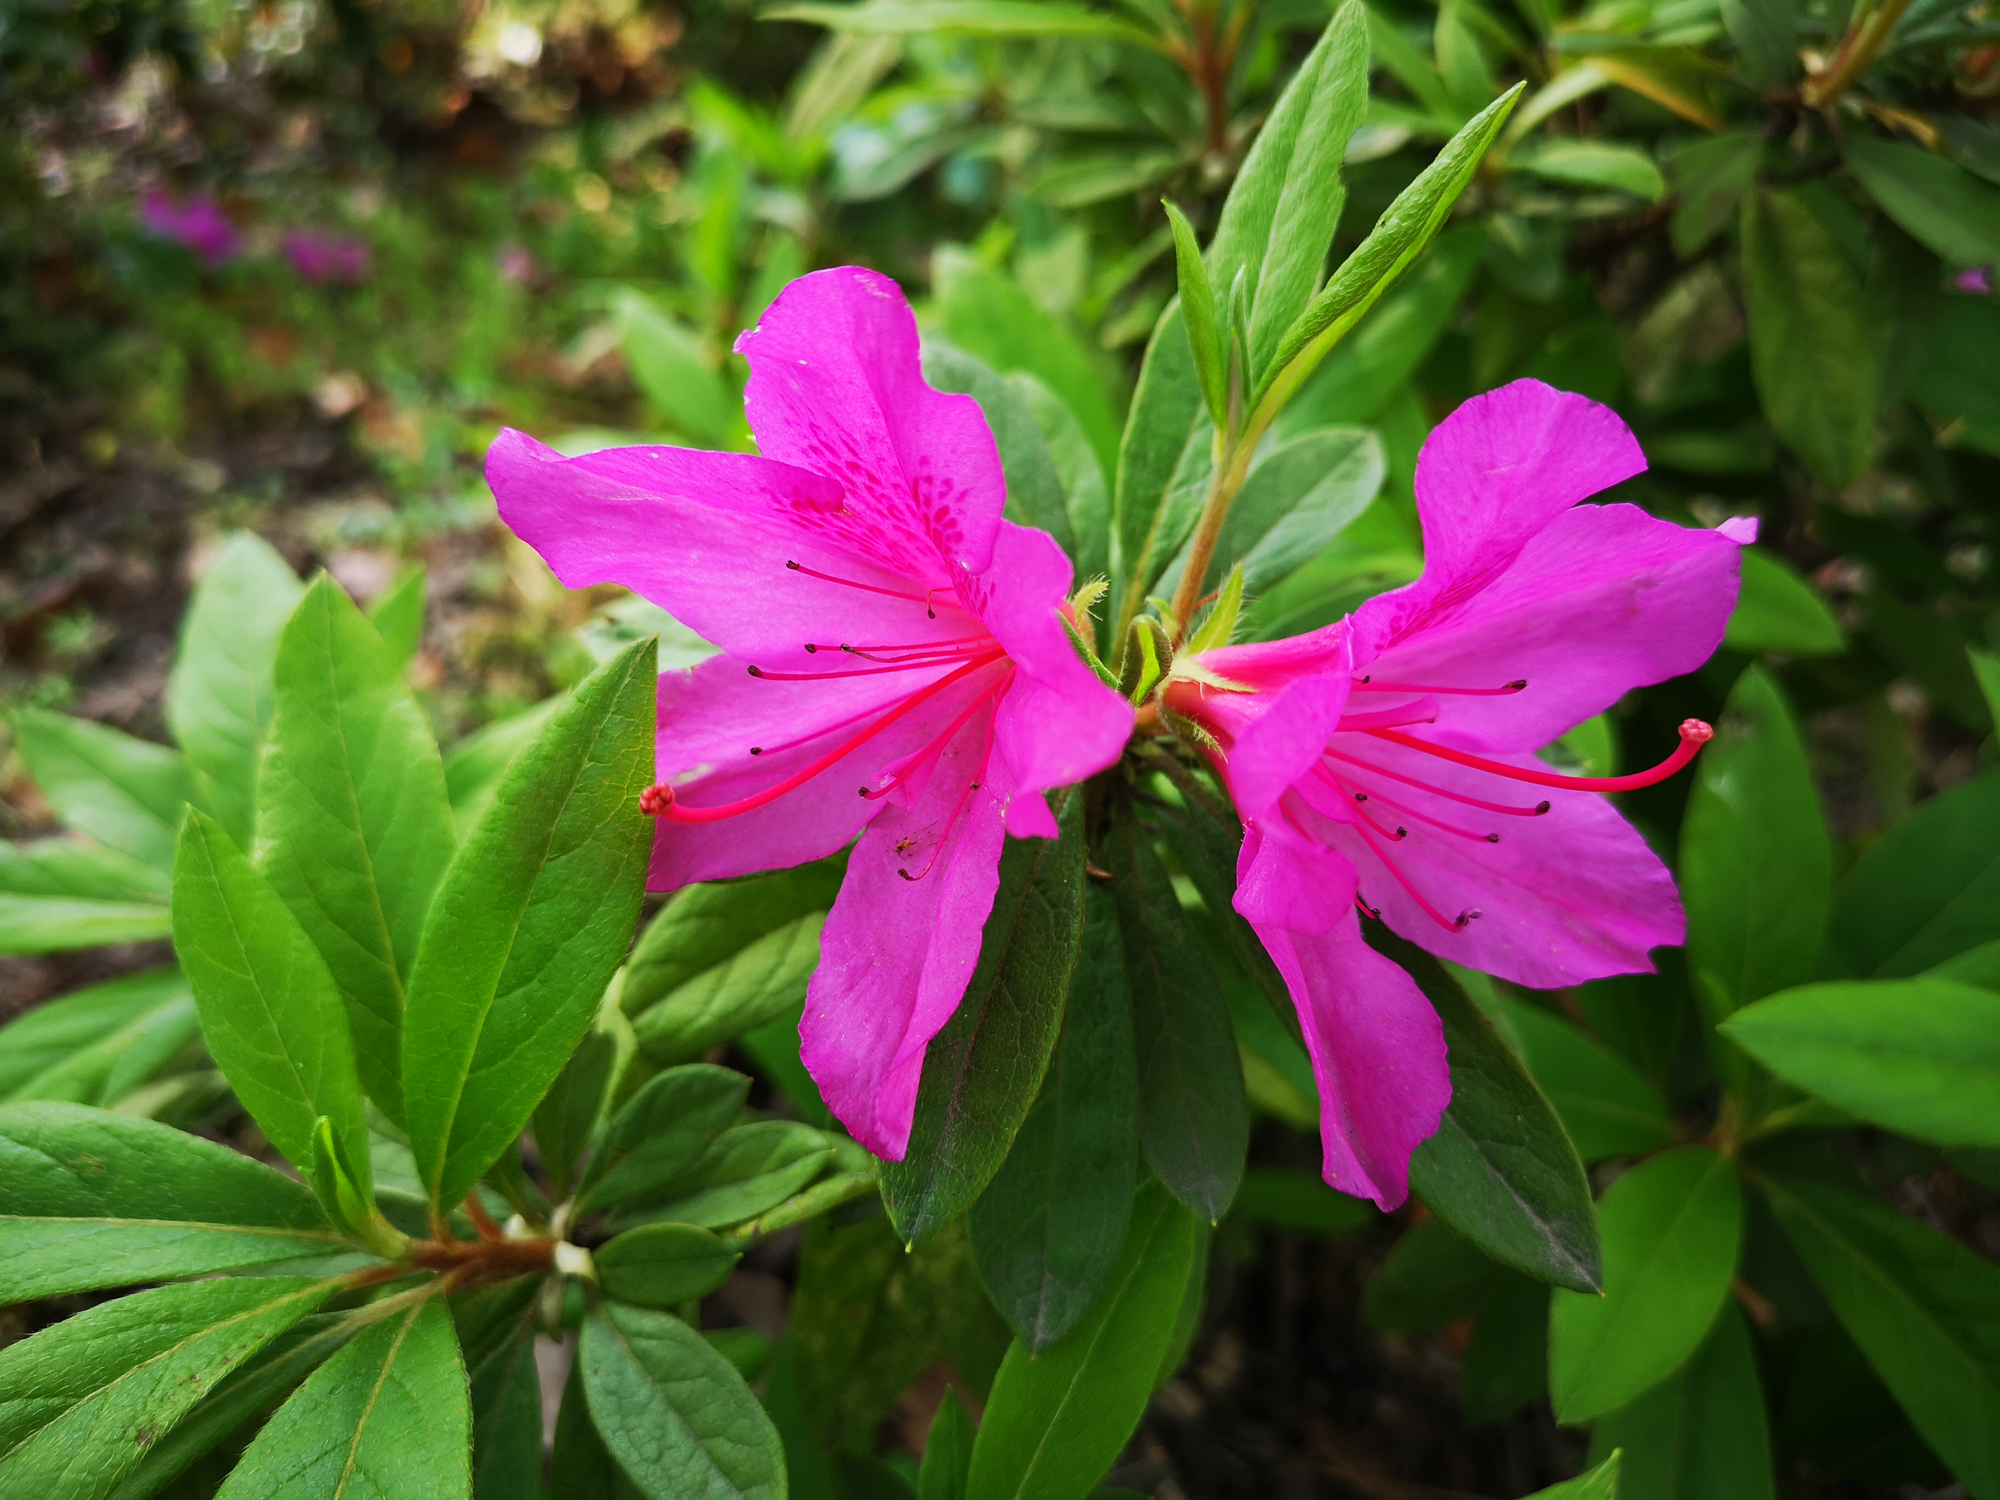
(1203, 320)
(126, 793)
(1220, 624)
(1055, 1423)
(63, 893)
(1593, 164)
(398, 617)
(269, 1009)
(91, 1199)
(1606, 1104)
(983, 1070)
(1927, 890)
(1601, 1483)
(1671, 1229)
(82, 1401)
(96, 1045)
(353, 826)
(1700, 1435)
(1194, 1123)
(1937, 201)
(673, 1412)
(528, 927)
(1920, 1056)
(1810, 351)
(1500, 1170)
(1047, 1230)
(219, 695)
(387, 1415)
(1922, 1308)
(1776, 610)
(473, 768)
(661, 1265)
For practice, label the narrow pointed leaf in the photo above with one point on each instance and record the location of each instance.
(124, 792)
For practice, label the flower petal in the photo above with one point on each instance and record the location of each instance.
(836, 387)
(1604, 600)
(1377, 1047)
(1572, 895)
(896, 954)
(1492, 475)
(1274, 733)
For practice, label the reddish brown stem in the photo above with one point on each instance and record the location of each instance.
(481, 1219)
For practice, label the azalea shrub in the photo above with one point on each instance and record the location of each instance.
(1381, 734)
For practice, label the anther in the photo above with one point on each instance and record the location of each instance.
(756, 749)
(657, 800)
(1492, 838)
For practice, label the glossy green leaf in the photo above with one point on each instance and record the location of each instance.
(746, 1170)
(1429, 1278)
(92, 1199)
(269, 1009)
(672, 1411)
(1924, 1309)
(82, 1401)
(1938, 202)
(1160, 429)
(1500, 1170)
(569, 1113)
(725, 958)
(398, 617)
(61, 893)
(1810, 351)
(1606, 1104)
(1194, 1123)
(1700, 1435)
(1047, 1230)
(579, 1466)
(220, 696)
(947, 1461)
(1920, 1056)
(663, 1131)
(353, 827)
(659, 1265)
(670, 366)
(1034, 487)
(983, 1070)
(126, 793)
(387, 1415)
(1671, 1229)
(97, 1045)
(1056, 1422)
(1925, 891)
(1593, 164)
(528, 927)
(506, 1392)
(1756, 866)
(1776, 610)
(1600, 1483)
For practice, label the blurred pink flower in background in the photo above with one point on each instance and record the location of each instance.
(516, 264)
(1978, 281)
(321, 256)
(198, 223)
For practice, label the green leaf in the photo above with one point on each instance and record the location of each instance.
(1193, 1121)
(1756, 866)
(1079, 470)
(1922, 1308)
(1056, 1422)
(1398, 237)
(473, 768)
(1812, 355)
(1986, 668)
(398, 617)
(82, 1401)
(1429, 1278)
(1938, 202)
(947, 1461)
(1282, 210)
(992, 18)
(219, 695)
(1600, 1483)
(1606, 1104)
(1290, 1199)
(1710, 176)
(1160, 428)
(673, 1412)
(387, 1415)
(1593, 164)
(91, 1199)
(579, 1466)
(1927, 890)
(125, 793)
(96, 1045)
(1034, 488)
(1920, 1056)
(353, 826)
(506, 1392)
(1671, 1229)
(660, 1265)
(269, 1010)
(1766, 34)
(1776, 610)
(1047, 1230)
(60, 893)
(568, 1114)
(748, 1169)
(1507, 1357)
(1500, 1169)
(1204, 322)
(1700, 1435)
(983, 1070)
(663, 1131)
(528, 927)
(669, 364)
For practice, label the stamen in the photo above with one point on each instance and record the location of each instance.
(1694, 734)
(1423, 711)
(1366, 909)
(923, 598)
(1415, 895)
(908, 666)
(1370, 685)
(659, 802)
(1424, 817)
(1493, 807)
(818, 734)
(952, 821)
(1327, 776)
(938, 744)
(918, 648)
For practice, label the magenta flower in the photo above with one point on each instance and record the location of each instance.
(199, 224)
(321, 256)
(1978, 280)
(1386, 763)
(895, 665)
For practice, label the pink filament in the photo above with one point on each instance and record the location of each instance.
(1694, 734)
(1493, 807)
(1370, 685)
(924, 599)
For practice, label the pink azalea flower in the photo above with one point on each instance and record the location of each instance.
(894, 663)
(199, 224)
(320, 256)
(1978, 280)
(1386, 763)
